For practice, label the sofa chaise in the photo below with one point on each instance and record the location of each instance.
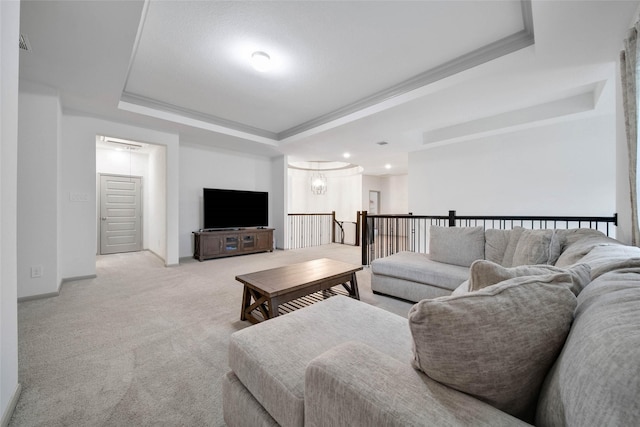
(550, 345)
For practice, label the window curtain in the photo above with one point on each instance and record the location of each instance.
(629, 73)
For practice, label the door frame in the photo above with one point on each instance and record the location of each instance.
(99, 207)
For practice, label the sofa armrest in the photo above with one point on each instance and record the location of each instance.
(355, 385)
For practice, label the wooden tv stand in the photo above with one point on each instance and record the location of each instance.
(222, 243)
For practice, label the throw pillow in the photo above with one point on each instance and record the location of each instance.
(463, 288)
(514, 237)
(486, 273)
(536, 247)
(456, 245)
(577, 242)
(496, 244)
(496, 344)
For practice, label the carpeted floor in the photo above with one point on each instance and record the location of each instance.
(143, 344)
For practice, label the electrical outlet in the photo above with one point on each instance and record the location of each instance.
(36, 271)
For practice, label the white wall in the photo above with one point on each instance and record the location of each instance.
(78, 174)
(156, 211)
(565, 168)
(204, 167)
(344, 190)
(38, 152)
(370, 183)
(394, 193)
(9, 29)
(278, 199)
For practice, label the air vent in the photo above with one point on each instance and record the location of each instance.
(125, 145)
(24, 43)
(382, 143)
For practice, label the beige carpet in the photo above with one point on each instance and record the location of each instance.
(143, 344)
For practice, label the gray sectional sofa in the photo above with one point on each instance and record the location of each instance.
(416, 276)
(550, 345)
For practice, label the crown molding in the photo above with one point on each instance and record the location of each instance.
(153, 104)
(505, 46)
(487, 53)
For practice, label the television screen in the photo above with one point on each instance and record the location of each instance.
(235, 209)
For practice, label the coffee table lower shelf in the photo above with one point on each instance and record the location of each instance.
(256, 315)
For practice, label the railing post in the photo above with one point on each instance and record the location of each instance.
(365, 238)
(333, 226)
(357, 228)
(452, 218)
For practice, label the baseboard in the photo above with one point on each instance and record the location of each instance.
(73, 279)
(6, 416)
(56, 293)
(156, 255)
(39, 296)
(163, 260)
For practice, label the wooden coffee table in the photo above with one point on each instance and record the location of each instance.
(266, 290)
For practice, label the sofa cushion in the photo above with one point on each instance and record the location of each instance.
(596, 379)
(406, 289)
(456, 245)
(270, 358)
(510, 250)
(605, 254)
(497, 343)
(354, 385)
(420, 268)
(463, 288)
(577, 242)
(496, 242)
(621, 264)
(536, 247)
(486, 273)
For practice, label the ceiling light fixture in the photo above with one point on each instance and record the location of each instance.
(387, 166)
(346, 155)
(318, 184)
(261, 61)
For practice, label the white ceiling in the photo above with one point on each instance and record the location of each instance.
(346, 74)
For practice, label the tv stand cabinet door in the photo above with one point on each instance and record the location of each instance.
(264, 240)
(248, 242)
(211, 245)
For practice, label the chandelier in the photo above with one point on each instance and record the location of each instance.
(318, 184)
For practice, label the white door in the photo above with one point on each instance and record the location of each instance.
(120, 214)
(374, 202)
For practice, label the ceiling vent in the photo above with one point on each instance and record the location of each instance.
(125, 145)
(24, 43)
(382, 143)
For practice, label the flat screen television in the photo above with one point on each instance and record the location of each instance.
(235, 208)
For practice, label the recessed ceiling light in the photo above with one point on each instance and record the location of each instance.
(261, 61)
(387, 166)
(346, 155)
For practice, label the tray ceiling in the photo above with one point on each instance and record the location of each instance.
(330, 59)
